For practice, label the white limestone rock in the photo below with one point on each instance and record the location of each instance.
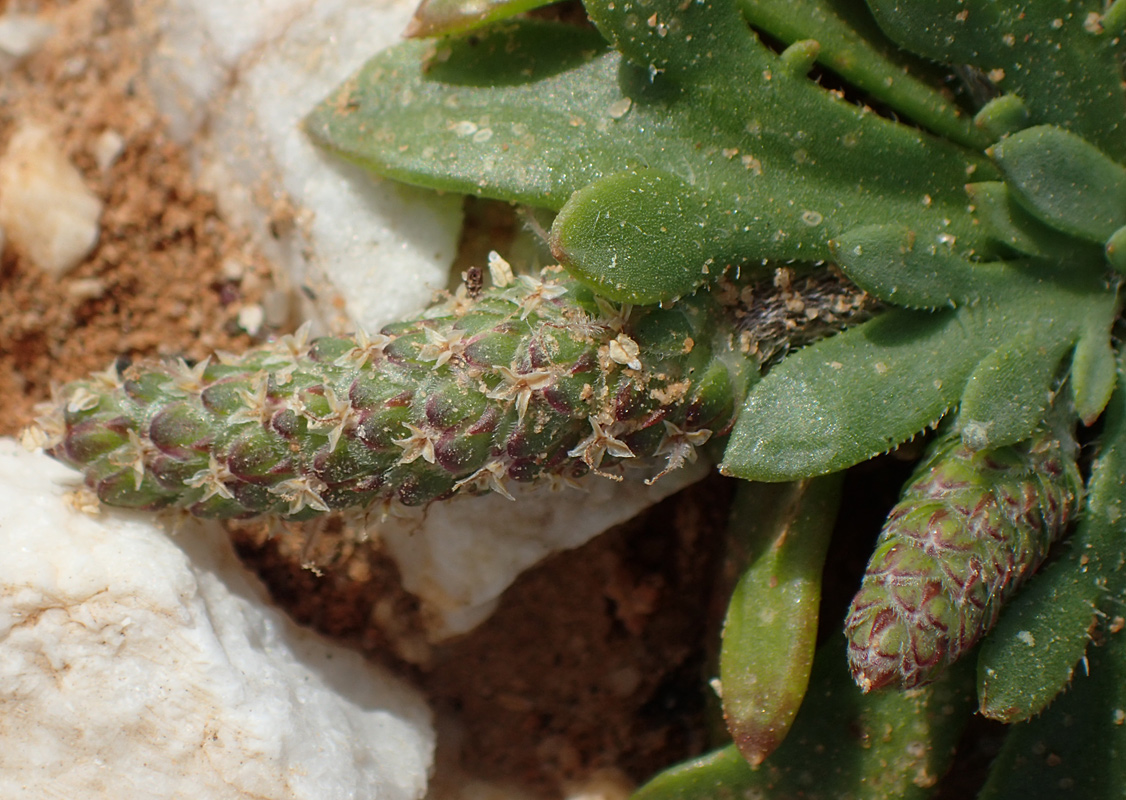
(367, 251)
(138, 665)
(48, 212)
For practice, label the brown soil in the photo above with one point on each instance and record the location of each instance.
(593, 660)
(168, 276)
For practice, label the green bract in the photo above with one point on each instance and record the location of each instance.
(962, 161)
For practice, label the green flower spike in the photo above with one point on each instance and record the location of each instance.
(532, 380)
(537, 379)
(969, 529)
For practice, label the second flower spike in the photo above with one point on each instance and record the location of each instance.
(969, 529)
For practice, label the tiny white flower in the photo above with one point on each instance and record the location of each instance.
(539, 292)
(594, 447)
(490, 477)
(108, 379)
(369, 348)
(48, 430)
(419, 444)
(340, 418)
(185, 379)
(521, 385)
(291, 348)
(213, 480)
(258, 407)
(82, 399)
(441, 347)
(680, 447)
(624, 350)
(612, 316)
(301, 492)
(133, 455)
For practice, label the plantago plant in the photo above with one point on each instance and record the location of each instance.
(714, 167)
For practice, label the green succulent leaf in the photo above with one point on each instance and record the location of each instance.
(1032, 654)
(445, 17)
(843, 743)
(1010, 390)
(856, 395)
(1075, 749)
(1116, 250)
(1002, 115)
(534, 112)
(889, 262)
(1053, 54)
(1093, 375)
(524, 114)
(1113, 21)
(770, 631)
(1009, 223)
(664, 237)
(853, 46)
(1064, 181)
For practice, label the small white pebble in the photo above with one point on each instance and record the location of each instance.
(86, 289)
(75, 66)
(232, 269)
(604, 784)
(48, 212)
(156, 664)
(107, 148)
(277, 305)
(20, 36)
(619, 109)
(251, 318)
